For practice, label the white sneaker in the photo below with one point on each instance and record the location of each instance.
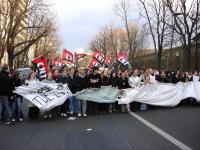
(50, 115)
(64, 115)
(79, 114)
(20, 119)
(13, 120)
(84, 115)
(45, 116)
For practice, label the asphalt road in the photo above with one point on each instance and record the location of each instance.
(118, 131)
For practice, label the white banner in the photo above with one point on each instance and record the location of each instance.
(162, 94)
(44, 95)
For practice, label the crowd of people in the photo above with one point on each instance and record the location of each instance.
(78, 79)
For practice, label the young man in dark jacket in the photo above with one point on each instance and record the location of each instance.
(72, 86)
(95, 82)
(122, 83)
(81, 83)
(63, 78)
(5, 94)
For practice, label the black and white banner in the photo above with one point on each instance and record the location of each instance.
(45, 96)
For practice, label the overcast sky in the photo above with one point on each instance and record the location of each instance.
(80, 20)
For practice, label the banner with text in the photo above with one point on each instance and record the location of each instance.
(45, 96)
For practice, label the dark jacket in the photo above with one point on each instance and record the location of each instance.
(95, 81)
(123, 83)
(113, 81)
(105, 81)
(161, 79)
(81, 83)
(71, 83)
(175, 79)
(5, 84)
(61, 79)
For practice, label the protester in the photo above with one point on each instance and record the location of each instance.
(63, 78)
(49, 80)
(17, 113)
(95, 82)
(104, 107)
(55, 74)
(5, 95)
(176, 78)
(168, 77)
(72, 86)
(33, 111)
(123, 84)
(81, 83)
(161, 77)
(145, 78)
(134, 81)
(113, 81)
(195, 77)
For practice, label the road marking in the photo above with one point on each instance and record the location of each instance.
(161, 132)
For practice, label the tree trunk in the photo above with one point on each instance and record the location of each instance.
(188, 58)
(10, 60)
(159, 61)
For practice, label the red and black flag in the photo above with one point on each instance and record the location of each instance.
(98, 56)
(94, 63)
(42, 66)
(67, 55)
(122, 59)
(78, 56)
(108, 59)
(56, 62)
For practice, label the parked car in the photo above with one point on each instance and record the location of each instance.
(24, 73)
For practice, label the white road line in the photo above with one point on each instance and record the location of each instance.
(161, 132)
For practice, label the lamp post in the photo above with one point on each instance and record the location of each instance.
(177, 55)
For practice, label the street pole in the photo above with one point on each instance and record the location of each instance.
(196, 50)
(177, 55)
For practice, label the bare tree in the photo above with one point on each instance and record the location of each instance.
(122, 9)
(48, 46)
(27, 22)
(4, 20)
(186, 21)
(155, 11)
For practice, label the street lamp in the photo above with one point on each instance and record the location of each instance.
(177, 55)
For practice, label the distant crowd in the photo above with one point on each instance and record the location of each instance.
(77, 79)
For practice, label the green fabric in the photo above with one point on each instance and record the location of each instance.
(106, 94)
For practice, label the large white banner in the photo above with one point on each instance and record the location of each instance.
(44, 95)
(162, 94)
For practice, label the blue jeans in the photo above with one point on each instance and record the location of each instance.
(17, 107)
(72, 104)
(4, 104)
(82, 106)
(143, 107)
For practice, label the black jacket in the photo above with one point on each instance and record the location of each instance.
(61, 79)
(5, 84)
(81, 83)
(113, 81)
(71, 83)
(95, 81)
(123, 83)
(105, 81)
(161, 79)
